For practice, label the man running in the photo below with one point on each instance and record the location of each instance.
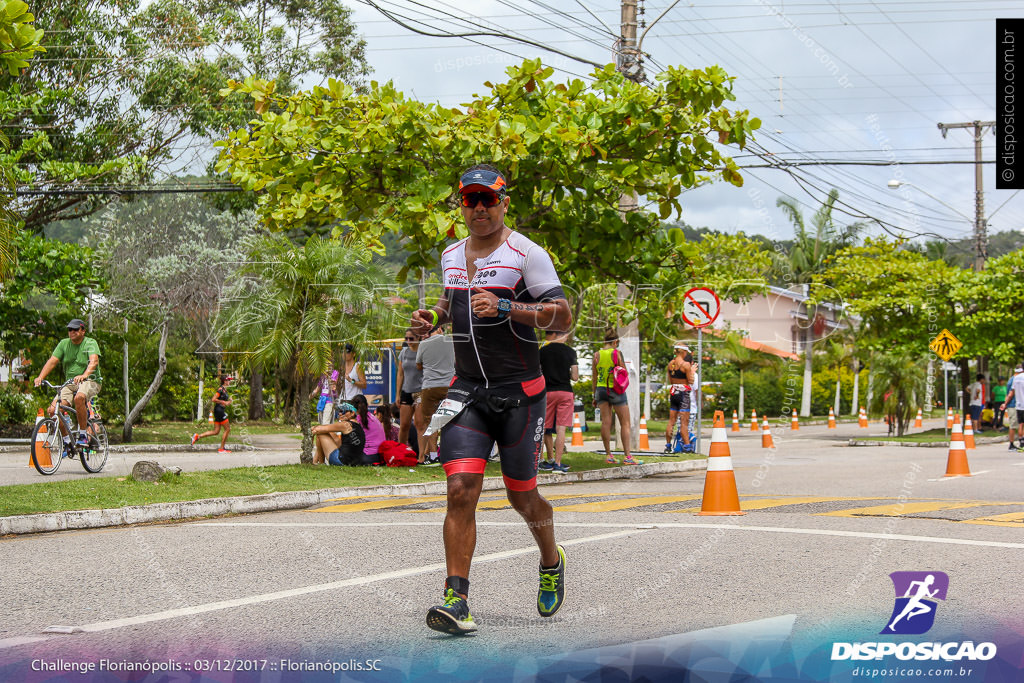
(499, 286)
(916, 605)
(679, 379)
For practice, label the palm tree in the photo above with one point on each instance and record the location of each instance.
(839, 352)
(808, 256)
(744, 358)
(895, 381)
(289, 307)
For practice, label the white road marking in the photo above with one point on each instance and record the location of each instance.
(296, 592)
(973, 474)
(646, 526)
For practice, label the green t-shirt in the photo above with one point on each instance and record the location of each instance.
(75, 359)
(998, 394)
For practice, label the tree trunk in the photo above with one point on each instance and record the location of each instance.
(303, 404)
(742, 396)
(835, 407)
(256, 409)
(129, 420)
(855, 405)
(805, 397)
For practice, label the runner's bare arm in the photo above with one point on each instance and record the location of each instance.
(423, 319)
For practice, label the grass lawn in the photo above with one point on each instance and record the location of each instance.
(179, 432)
(113, 492)
(928, 436)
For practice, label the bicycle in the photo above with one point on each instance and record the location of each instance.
(93, 456)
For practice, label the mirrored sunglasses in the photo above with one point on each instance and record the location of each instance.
(471, 199)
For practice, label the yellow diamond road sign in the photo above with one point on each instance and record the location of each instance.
(945, 345)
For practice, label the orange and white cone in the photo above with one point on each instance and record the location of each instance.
(753, 420)
(643, 444)
(862, 419)
(956, 463)
(969, 434)
(795, 424)
(577, 430)
(917, 420)
(735, 422)
(949, 419)
(720, 494)
(39, 449)
(766, 435)
(831, 419)
(210, 419)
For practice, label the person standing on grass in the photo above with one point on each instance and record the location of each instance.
(608, 401)
(221, 401)
(559, 364)
(410, 383)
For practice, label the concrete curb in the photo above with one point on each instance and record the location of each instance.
(292, 500)
(980, 441)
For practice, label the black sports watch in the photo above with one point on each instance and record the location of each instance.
(504, 308)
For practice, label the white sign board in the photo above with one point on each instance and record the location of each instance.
(700, 307)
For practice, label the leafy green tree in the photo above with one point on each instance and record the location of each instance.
(745, 359)
(897, 380)
(291, 307)
(377, 162)
(813, 245)
(19, 41)
(126, 91)
(839, 352)
(165, 261)
(991, 303)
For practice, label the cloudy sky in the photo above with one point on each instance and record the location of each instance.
(831, 81)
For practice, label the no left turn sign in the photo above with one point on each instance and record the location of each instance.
(700, 307)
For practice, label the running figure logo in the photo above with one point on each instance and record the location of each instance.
(916, 595)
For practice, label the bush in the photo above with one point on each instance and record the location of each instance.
(15, 408)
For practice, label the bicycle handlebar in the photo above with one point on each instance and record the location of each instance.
(54, 386)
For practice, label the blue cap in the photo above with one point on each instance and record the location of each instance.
(346, 408)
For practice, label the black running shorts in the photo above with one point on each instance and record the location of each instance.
(679, 399)
(467, 440)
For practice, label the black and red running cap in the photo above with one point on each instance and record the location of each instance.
(482, 179)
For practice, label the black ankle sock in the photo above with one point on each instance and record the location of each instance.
(459, 584)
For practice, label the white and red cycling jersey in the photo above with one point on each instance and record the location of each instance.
(490, 351)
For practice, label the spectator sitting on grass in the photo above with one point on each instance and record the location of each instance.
(372, 427)
(341, 442)
(386, 413)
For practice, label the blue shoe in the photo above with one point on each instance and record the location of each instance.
(83, 440)
(453, 616)
(552, 587)
(564, 469)
(546, 465)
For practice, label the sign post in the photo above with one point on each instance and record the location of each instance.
(945, 345)
(700, 308)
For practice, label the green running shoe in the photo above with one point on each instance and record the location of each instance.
(453, 616)
(552, 587)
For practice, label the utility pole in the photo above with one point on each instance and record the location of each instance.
(980, 228)
(629, 64)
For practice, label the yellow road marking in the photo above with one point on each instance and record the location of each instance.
(898, 510)
(331, 500)
(1011, 519)
(612, 505)
(379, 504)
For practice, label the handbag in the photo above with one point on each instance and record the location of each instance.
(618, 379)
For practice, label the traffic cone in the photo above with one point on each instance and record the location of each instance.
(643, 444)
(956, 464)
(831, 419)
(949, 419)
(862, 419)
(577, 430)
(753, 420)
(917, 421)
(720, 495)
(795, 424)
(40, 449)
(210, 419)
(969, 434)
(766, 435)
(735, 422)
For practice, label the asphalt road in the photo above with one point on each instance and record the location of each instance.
(352, 580)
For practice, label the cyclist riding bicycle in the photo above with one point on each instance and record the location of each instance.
(80, 357)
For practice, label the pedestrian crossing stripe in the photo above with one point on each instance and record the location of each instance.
(616, 502)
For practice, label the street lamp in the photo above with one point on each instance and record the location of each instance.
(897, 184)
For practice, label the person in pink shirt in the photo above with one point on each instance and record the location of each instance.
(374, 430)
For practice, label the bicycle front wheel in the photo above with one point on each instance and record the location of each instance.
(47, 446)
(94, 456)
